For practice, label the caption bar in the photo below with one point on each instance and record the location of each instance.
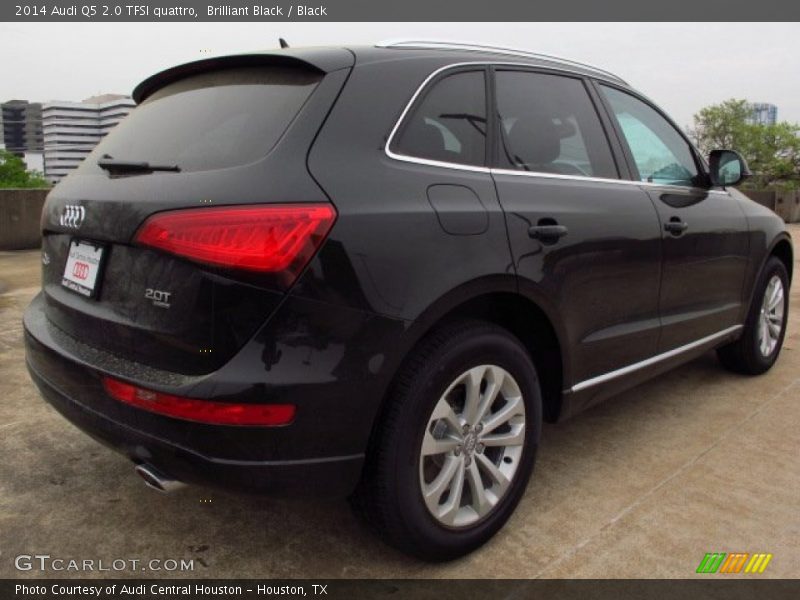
(405, 589)
(408, 10)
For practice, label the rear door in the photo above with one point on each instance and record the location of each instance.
(582, 238)
(704, 230)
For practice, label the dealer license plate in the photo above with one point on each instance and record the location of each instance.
(83, 268)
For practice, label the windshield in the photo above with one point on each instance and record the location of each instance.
(210, 121)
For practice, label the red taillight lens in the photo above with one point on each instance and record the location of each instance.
(201, 411)
(276, 238)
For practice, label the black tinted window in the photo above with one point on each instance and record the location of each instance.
(549, 125)
(211, 120)
(449, 124)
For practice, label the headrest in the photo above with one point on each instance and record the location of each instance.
(534, 140)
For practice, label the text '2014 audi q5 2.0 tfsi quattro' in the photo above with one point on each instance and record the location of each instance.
(375, 271)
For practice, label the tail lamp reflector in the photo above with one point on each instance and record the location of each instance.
(201, 411)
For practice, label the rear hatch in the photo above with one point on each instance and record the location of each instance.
(185, 227)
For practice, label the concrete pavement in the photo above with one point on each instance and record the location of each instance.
(696, 461)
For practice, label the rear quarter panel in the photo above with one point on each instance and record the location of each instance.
(388, 254)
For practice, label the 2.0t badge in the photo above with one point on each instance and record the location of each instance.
(159, 297)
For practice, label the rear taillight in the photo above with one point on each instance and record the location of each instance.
(201, 411)
(276, 238)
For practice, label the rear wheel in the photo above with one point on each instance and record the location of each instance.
(457, 443)
(758, 348)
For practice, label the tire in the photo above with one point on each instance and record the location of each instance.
(749, 354)
(390, 495)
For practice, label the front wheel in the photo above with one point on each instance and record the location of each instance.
(456, 445)
(758, 348)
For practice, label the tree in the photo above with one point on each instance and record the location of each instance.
(772, 151)
(14, 173)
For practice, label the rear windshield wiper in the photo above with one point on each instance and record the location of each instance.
(115, 166)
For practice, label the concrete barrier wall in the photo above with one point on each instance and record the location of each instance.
(20, 210)
(763, 197)
(785, 204)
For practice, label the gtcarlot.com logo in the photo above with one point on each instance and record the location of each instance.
(734, 562)
(45, 562)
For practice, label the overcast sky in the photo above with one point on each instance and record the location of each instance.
(681, 66)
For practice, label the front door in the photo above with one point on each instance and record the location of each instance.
(705, 243)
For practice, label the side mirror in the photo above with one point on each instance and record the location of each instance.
(727, 167)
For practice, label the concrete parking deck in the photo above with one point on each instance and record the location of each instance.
(696, 461)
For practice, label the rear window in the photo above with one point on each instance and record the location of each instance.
(449, 124)
(211, 120)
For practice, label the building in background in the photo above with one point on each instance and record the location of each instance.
(73, 129)
(34, 161)
(763, 113)
(21, 126)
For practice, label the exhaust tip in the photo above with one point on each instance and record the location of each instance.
(155, 479)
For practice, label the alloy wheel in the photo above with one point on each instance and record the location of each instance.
(770, 318)
(472, 446)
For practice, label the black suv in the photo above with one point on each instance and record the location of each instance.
(375, 271)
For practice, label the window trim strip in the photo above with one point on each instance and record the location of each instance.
(494, 171)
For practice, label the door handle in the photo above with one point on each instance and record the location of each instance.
(675, 226)
(548, 234)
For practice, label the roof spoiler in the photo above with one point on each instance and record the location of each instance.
(324, 60)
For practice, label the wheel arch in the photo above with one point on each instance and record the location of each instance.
(497, 300)
(531, 325)
(782, 249)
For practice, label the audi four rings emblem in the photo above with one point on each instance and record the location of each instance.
(72, 216)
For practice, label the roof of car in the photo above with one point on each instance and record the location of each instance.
(468, 52)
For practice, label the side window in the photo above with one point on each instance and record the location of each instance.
(549, 125)
(449, 124)
(661, 154)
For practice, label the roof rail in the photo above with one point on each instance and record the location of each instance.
(445, 45)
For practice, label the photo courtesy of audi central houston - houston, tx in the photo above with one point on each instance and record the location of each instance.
(373, 272)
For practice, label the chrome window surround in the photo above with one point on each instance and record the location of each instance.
(478, 169)
(652, 360)
(444, 45)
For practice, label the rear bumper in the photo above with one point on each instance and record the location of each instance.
(329, 476)
(318, 454)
